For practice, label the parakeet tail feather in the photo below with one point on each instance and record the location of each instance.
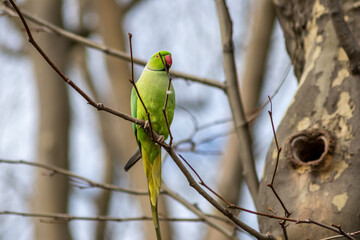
(154, 212)
(153, 174)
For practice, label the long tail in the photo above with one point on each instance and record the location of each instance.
(153, 174)
(154, 212)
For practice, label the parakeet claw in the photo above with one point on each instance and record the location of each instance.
(146, 124)
(161, 138)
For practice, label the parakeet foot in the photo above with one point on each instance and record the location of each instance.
(146, 124)
(161, 139)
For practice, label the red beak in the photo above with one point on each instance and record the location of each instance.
(168, 60)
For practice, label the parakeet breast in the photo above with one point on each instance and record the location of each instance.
(152, 87)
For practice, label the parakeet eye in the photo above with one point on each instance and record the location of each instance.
(157, 56)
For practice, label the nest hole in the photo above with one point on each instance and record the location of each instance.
(309, 147)
(307, 150)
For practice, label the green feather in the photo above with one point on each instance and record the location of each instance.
(152, 86)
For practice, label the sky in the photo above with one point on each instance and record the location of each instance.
(189, 29)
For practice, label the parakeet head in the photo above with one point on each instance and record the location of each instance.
(155, 62)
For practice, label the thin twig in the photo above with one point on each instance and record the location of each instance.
(65, 218)
(229, 204)
(78, 180)
(233, 206)
(310, 221)
(56, 170)
(197, 128)
(132, 81)
(207, 218)
(271, 184)
(200, 152)
(250, 117)
(215, 136)
(202, 141)
(212, 201)
(342, 232)
(254, 114)
(98, 106)
(103, 48)
(92, 184)
(166, 98)
(216, 122)
(341, 236)
(131, 60)
(203, 183)
(284, 219)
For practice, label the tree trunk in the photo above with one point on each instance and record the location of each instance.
(318, 173)
(51, 193)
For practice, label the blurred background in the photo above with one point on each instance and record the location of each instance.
(43, 120)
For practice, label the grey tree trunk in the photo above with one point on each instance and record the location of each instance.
(51, 193)
(318, 174)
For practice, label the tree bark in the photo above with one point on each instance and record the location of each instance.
(317, 176)
(51, 193)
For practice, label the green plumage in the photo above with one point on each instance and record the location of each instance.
(152, 86)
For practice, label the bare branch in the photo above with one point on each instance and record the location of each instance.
(253, 115)
(166, 98)
(277, 159)
(337, 229)
(204, 184)
(345, 36)
(198, 128)
(65, 218)
(341, 236)
(98, 106)
(77, 179)
(342, 232)
(206, 218)
(56, 170)
(103, 48)
(211, 200)
(233, 94)
(271, 184)
(132, 81)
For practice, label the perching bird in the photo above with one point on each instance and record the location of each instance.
(153, 88)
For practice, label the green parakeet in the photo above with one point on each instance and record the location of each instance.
(152, 86)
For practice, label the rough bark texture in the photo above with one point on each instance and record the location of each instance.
(118, 133)
(318, 175)
(230, 180)
(51, 193)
